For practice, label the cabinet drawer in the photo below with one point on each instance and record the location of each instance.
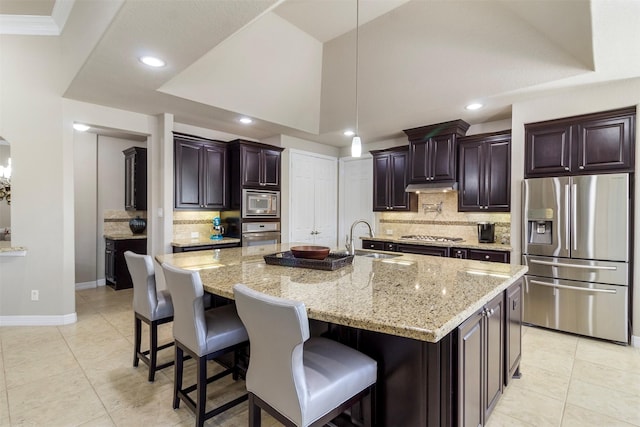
(424, 250)
(370, 244)
(490, 256)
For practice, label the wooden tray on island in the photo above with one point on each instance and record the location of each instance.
(332, 262)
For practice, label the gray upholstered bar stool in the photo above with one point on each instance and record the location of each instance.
(150, 306)
(300, 381)
(204, 335)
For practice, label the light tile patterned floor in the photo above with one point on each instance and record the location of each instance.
(81, 375)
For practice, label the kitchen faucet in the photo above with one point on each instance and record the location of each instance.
(351, 249)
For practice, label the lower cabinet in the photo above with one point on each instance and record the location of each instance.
(178, 249)
(513, 332)
(481, 255)
(442, 251)
(380, 246)
(116, 273)
(480, 363)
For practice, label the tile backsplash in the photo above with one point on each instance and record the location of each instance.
(117, 221)
(448, 222)
(187, 222)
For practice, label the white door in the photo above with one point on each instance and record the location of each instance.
(356, 198)
(313, 199)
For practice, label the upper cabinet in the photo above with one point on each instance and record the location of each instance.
(255, 165)
(390, 180)
(200, 173)
(485, 173)
(135, 179)
(433, 151)
(593, 143)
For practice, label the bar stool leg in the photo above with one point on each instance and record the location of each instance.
(137, 339)
(177, 378)
(254, 412)
(153, 349)
(201, 392)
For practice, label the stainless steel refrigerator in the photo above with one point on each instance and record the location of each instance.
(576, 241)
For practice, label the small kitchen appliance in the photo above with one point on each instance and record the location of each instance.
(486, 232)
(217, 230)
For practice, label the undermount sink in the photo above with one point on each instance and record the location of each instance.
(377, 255)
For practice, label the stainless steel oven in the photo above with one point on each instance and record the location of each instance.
(260, 204)
(260, 233)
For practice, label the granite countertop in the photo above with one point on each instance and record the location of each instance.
(124, 236)
(459, 244)
(202, 241)
(413, 296)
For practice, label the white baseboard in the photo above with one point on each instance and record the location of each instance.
(63, 319)
(90, 285)
(635, 341)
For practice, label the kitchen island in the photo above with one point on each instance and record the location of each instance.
(403, 311)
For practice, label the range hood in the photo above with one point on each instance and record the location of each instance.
(432, 187)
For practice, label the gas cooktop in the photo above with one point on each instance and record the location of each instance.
(428, 238)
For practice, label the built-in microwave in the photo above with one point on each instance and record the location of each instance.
(260, 204)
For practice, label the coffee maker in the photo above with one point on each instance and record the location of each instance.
(486, 232)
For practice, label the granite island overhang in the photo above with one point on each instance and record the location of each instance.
(428, 321)
(412, 296)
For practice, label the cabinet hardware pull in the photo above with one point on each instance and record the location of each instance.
(573, 288)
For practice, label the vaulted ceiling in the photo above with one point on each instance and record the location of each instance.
(290, 64)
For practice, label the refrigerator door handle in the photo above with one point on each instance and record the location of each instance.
(567, 194)
(573, 288)
(586, 267)
(574, 215)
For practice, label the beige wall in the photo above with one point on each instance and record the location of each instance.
(5, 207)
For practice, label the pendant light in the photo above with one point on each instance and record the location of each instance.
(356, 143)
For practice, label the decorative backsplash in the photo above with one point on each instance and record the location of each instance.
(187, 222)
(445, 221)
(117, 222)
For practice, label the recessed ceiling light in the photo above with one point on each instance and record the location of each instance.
(152, 61)
(474, 106)
(246, 120)
(80, 127)
(348, 132)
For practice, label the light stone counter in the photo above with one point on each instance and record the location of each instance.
(124, 236)
(202, 241)
(412, 296)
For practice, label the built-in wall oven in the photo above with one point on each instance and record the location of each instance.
(260, 233)
(258, 204)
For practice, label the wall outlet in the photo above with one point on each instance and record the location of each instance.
(389, 232)
(195, 234)
(35, 295)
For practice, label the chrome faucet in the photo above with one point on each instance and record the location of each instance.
(351, 248)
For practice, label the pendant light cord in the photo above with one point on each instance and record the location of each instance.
(357, 56)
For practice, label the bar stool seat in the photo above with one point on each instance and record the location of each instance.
(203, 335)
(300, 381)
(151, 306)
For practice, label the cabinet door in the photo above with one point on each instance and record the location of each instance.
(129, 182)
(443, 158)
(398, 198)
(381, 170)
(325, 190)
(188, 170)
(372, 244)
(270, 169)
(548, 150)
(251, 166)
(497, 176)
(513, 333)
(424, 250)
(605, 144)
(419, 166)
(494, 365)
(215, 194)
(471, 371)
(471, 177)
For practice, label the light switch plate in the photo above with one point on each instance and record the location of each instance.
(389, 232)
(195, 234)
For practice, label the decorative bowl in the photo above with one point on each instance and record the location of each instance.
(310, 252)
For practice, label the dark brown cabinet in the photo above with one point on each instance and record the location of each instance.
(593, 143)
(135, 179)
(178, 249)
(480, 363)
(424, 250)
(433, 151)
(256, 165)
(513, 331)
(200, 173)
(484, 173)
(380, 246)
(481, 255)
(116, 273)
(390, 181)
